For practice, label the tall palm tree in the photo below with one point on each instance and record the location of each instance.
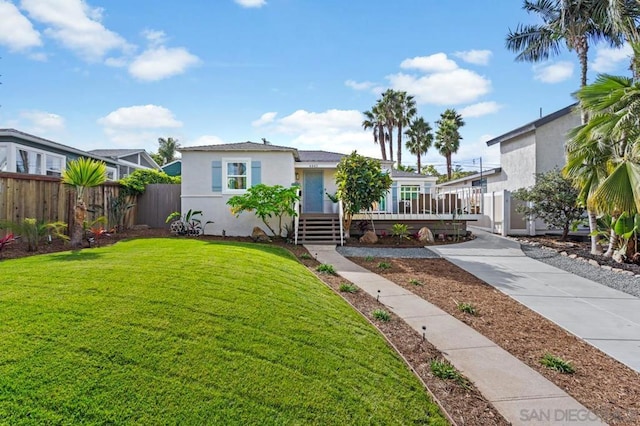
(447, 140)
(81, 174)
(167, 149)
(387, 105)
(372, 122)
(420, 139)
(405, 111)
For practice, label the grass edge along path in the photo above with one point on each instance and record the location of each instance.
(190, 331)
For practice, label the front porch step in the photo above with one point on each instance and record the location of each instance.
(319, 229)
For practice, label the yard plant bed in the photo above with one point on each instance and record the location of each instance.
(191, 331)
(605, 386)
(465, 404)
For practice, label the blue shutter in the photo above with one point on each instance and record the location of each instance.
(256, 173)
(216, 176)
(394, 197)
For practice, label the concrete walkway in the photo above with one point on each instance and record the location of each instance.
(606, 318)
(519, 393)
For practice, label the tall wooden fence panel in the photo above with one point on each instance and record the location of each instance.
(158, 201)
(47, 199)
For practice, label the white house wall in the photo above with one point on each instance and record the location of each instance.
(551, 140)
(277, 168)
(518, 163)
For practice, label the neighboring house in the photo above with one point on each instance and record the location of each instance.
(128, 160)
(476, 180)
(173, 168)
(28, 154)
(536, 147)
(214, 173)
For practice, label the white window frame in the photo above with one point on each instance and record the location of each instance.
(113, 170)
(63, 163)
(7, 148)
(411, 189)
(30, 150)
(225, 176)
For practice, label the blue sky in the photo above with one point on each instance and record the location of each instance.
(121, 73)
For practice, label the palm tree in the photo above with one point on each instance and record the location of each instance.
(420, 139)
(372, 122)
(604, 154)
(405, 111)
(447, 140)
(81, 174)
(167, 149)
(387, 105)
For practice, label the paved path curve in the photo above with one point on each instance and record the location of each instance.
(604, 317)
(522, 395)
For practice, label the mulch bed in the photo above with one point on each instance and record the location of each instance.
(605, 386)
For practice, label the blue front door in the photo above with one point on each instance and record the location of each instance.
(313, 191)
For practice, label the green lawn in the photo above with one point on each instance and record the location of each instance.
(183, 331)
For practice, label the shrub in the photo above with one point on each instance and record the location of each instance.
(33, 231)
(413, 281)
(305, 256)
(467, 308)
(136, 182)
(442, 369)
(348, 288)
(384, 265)
(327, 269)
(556, 363)
(400, 231)
(381, 315)
(188, 223)
(369, 259)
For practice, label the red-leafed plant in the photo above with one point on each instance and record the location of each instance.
(7, 239)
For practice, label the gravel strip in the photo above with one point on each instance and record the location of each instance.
(616, 280)
(404, 253)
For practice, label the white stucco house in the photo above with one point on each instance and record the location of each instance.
(212, 174)
(536, 147)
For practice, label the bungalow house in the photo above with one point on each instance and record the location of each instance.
(212, 174)
(128, 159)
(173, 168)
(28, 154)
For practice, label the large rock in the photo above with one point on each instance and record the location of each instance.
(259, 236)
(425, 235)
(369, 237)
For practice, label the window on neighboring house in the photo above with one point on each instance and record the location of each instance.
(4, 159)
(237, 175)
(124, 171)
(54, 165)
(28, 162)
(409, 192)
(111, 173)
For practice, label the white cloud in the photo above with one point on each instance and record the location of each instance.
(480, 109)
(16, 31)
(554, 72)
(39, 56)
(138, 126)
(332, 130)
(438, 62)
(140, 117)
(251, 3)
(76, 25)
(365, 85)
(206, 140)
(477, 57)
(443, 88)
(155, 37)
(608, 58)
(42, 123)
(265, 118)
(160, 62)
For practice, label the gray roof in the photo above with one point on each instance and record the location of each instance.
(239, 146)
(532, 126)
(402, 174)
(320, 156)
(115, 152)
(46, 142)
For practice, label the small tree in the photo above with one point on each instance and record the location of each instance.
(81, 174)
(266, 202)
(554, 199)
(361, 182)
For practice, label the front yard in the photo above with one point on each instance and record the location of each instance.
(192, 332)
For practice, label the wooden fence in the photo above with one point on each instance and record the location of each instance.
(47, 199)
(158, 201)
